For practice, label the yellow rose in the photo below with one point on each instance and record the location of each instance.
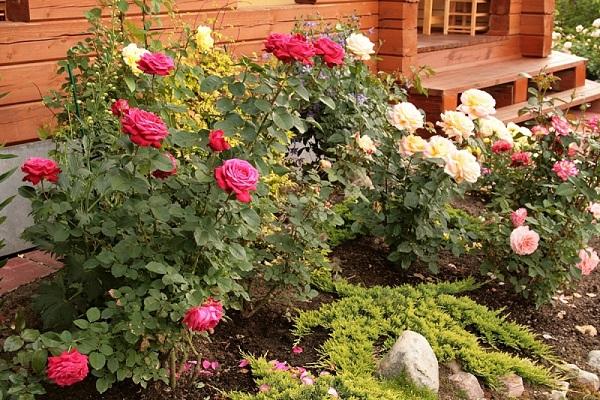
(477, 103)
(439, 147)
(405, 116)
(204, 39)
(131, 55)
(360, 45)
(412, 144)
(456, 125)
(462, 166)
(365, 143)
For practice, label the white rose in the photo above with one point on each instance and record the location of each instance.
(596, 23)
(439, 147)
(405, 116)
(462, 166)
(493, 126)
(567, 45)
(579, 28)
(412, 144)
(596, 33)
(204, 39)
(456, 125)
(556, 36)
(360, 45)
(131, 55)
(477, 103)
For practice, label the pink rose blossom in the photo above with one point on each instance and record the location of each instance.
(485, 171)
(573, 149)
(502, 146)
(144, 128)
(518, 217)
(565, 169)
(588, 260)
(332, 52)
(217, 141)
(156, 64)
(540, 131)
(120, 108)
(205, 317)
(37, 169)
(289, 48)
(297, 349)
(165, 174)
(68, 368)
(521, 158)
(237, 176)
(243, 363)
(593, 123)
(561, 126)
(524, 241)
(307, 379)
(594, 208)
(279, 365)
(209, 366)
(333, 393)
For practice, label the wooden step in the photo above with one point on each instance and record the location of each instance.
(589, 93)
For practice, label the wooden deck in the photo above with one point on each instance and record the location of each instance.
(439, 41)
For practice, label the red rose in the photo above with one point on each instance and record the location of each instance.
(38, 169)
(204, 317)
(68, 368)
(520, 159)
(333, 53)
(502, 146)
(120, 108)
(165, 174)
(217, 142)
(144, 128)
(288, 48)
(301, 49)
(156, 64)
(237, 176)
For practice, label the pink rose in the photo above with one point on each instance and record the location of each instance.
(156, 64)
(120, 107)
(588, 260)
(524, 241)
(332, 53)
(518, 217)
(594, 209)
(204, 317)
(540, 131)
(165, 174)
(561, 126)
(237, 176)
(279, 365)
(565, 169)
(502, 146)
(297, 350)
(276, 42)
(217, 142)
(520, 158)
(288, 48)
(573, 149)
(37, 169)
(144, 128)
(68, 368)
(593, 123)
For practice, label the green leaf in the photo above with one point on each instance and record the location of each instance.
(283, 119)
(93, 314)
(237, 251)
(250, 217)
(211, 83)
(103, 384)
(237, 89)
(566, 189)
(27, 192)
(5, 175)
(328, 101)
(13, 343)
(303, 93)
(30, 335)
(156, 267)
(81, 323)
(97, 360)
(130, 82)
(38, 360)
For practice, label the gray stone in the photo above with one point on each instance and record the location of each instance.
(512, 386)
(557, 395)
(17, 212)
(413, 357)
(594, 360)
(468, 384)
(583, 379)
(454, 366)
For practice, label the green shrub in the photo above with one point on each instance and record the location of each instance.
(4, 175)
(570, 13)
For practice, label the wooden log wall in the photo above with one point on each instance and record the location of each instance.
(41, 31)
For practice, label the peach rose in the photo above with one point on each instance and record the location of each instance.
(588, 260)
(524, 241)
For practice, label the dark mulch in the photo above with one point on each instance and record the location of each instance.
(361, 261)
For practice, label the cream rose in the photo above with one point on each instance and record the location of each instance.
(412, 144)
(204, 39)
(405, 116)
(360, 45)
(131, 55)
(492, 126)
(477, 103)
(462, 166)
(516, 130)
(439, 147)
(456, 125)
(365, 143)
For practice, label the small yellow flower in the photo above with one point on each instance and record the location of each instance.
(204, 39)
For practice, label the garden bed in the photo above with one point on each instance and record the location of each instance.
(362, 261)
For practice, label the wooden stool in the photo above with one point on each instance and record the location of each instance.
(461, 16)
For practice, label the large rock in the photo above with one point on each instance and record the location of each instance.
(512, 386)
(594, 360)
(413, 357)
(468, 384)
(584, 379)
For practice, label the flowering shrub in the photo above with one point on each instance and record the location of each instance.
(540, 184)
(581, 40)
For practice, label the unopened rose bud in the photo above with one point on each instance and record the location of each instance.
(325, 164)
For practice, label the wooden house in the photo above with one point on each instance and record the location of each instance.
(510, 37)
